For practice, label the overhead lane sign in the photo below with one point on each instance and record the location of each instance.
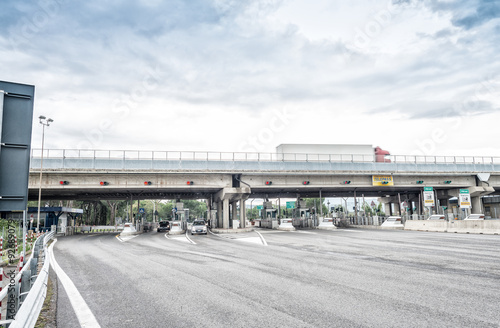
(382, 180)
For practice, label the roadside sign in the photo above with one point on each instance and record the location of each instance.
(174, 210)
(382, 180)
(141, 210)
(16, 121)
(259, 207)
(373, 204)
(290, 204)
(464, 198)
(429, 196)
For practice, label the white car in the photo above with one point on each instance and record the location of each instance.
(475, 217)
(199, 227)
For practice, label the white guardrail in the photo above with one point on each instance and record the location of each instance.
(259, 157)
(28, 312)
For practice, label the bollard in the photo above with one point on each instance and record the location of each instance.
(1, 248)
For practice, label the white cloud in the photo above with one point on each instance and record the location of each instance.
(209, 75)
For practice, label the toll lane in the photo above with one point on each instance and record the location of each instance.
(312, 278)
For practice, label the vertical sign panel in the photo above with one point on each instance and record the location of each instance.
(428, 196)
(464, 198)
(15, 144)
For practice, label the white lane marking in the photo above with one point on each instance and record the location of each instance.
(248, 239)
(192, 242)
(125, 238)
(180, 238)
(262, 238)
(301, 231)
(82, 310)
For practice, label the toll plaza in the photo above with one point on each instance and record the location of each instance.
(61, 217)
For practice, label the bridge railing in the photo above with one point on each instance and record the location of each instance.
(253, 157)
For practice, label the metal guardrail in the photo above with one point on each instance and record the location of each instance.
(30, 302)
(253, 157)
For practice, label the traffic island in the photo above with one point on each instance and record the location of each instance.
(128, 230)
(238, 230)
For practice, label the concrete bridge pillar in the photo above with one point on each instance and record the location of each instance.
(225, 214)
(242, 214)
(234, 210)
(219, 214)
(477, 205)
(397, 208)
(388, 209)
(229, 209)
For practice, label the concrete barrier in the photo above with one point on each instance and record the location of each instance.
(326, 224)
(457, 226)
(475, 226)
(128, 230)
(286, 225)
(426, 225)
(392, 222)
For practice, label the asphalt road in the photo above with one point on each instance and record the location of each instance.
(312, 278)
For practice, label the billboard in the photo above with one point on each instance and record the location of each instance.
(382, 180)
(16, 120)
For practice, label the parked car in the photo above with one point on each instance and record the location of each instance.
(475, 217)
(199, 227)
(437, 217)
(163, 226)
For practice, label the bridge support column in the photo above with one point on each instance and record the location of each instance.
(219, 214)
(397, 208)
(242, 214)
(225, 214)
(234, 210)
(477, 206)
(388, 209)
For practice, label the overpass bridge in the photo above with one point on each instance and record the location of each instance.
(225, 178)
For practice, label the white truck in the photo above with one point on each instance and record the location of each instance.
(364, 153)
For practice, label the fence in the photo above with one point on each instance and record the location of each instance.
(258, 157)
(27, 289)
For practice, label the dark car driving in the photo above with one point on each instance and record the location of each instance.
(163, 226)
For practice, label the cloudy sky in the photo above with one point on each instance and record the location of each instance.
(414, 76)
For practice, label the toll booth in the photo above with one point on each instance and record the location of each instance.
(269, 216)
(301, 215)
(62, 217)
(180, 216)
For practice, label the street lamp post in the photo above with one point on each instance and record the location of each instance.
(44, 122)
